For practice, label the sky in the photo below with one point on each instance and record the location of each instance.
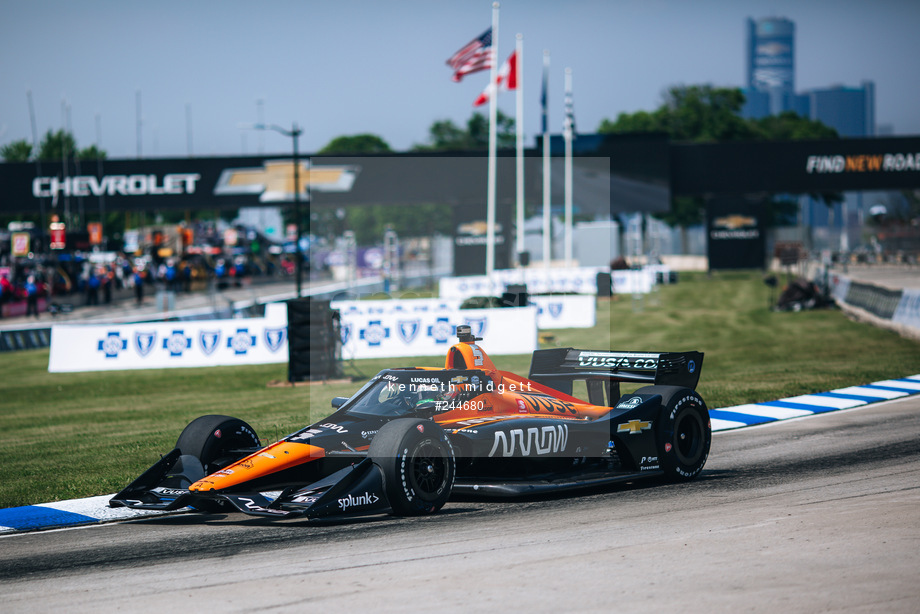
(202, 69)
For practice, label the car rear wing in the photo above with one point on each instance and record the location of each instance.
(559, 367)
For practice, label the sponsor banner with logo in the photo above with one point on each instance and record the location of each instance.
(632, 281)
(736, 234)
(163, 345)
(560, 311)
(796, 167)
(565, 311)
(580, 280)
(393, 335)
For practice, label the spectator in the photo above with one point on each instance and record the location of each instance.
(170, 275)
(6, 291)
(126, 273)
(139, 285)
(92, 287)
(187, 277)
(31, 296)
(220, 271)
(108, 278)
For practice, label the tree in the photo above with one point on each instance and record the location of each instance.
(445, 135)
(370, 222)
(790, 126)
(704, 114)
(17, 151)
(356, 144)
(56, 144)
(641, 121)
(91, 153)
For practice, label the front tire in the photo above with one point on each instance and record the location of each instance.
(684, 432)
(213, 440)
(418, 465)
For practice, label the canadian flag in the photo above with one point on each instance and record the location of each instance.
(506, 80)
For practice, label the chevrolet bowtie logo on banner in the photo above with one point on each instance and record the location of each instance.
(274, 180)
(733, 222)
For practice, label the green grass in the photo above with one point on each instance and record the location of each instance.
(66, 435)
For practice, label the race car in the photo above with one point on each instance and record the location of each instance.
(412, 437)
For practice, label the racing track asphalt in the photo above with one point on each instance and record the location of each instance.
(808, 515)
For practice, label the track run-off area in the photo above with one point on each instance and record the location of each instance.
(814, 514)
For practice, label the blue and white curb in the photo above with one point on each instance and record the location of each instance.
(71, 513)
(752, 414)
(94, 510)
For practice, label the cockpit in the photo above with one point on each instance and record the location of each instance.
(416, 392)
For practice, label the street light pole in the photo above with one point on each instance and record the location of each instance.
(294, 133)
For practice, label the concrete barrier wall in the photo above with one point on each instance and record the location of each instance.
(25, 339)
(896, 310)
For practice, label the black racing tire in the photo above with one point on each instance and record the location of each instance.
(210, 438)
(418, 465)
(684, 433)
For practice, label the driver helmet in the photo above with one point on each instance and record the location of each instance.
(426, 393)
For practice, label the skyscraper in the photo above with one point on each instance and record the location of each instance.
(771, 63)
(770, 90)
(849, 110)
(770, 87)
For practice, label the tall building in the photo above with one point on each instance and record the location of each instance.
(771, 63)
(770, 90)
(849, 110)
(770, 87)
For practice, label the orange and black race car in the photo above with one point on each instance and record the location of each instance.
(411, 437)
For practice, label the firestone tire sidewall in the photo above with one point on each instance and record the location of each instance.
(418, 465)
(685, 436)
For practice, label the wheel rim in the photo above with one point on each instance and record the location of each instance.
(428, 470)
(688, 437)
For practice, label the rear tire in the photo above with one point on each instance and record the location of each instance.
(684, 433)
(210, 439)
(418, 465)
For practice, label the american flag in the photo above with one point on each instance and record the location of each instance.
(476, 55)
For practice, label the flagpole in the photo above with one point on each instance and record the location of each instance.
(547, 243)
(567, 135)
(493, 144)
(519, 122)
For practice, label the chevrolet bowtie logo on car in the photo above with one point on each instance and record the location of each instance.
(274, 181)
(634, 427)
